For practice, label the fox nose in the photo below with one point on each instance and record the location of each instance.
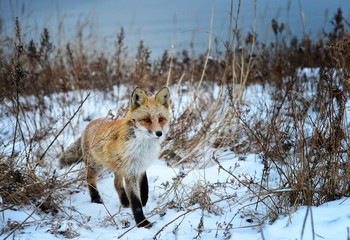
(159, 133)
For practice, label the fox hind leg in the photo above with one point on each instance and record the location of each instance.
(119, 187)
(144, 189)
(92, 174)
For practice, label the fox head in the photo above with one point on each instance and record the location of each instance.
(150, 116)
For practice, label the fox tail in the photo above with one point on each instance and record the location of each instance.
(73, 154)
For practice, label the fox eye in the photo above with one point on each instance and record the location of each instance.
(147, 120)
(161, 119)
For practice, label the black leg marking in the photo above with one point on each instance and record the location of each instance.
(95, 196)
(138, 213)
(124, 198)
(144, 189)
(132, 190)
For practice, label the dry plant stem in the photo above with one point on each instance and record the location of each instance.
(16, 127)
(18, 77)
(245, 72)
(171, 66)
(75, 113)
(251, 59)
(206, 61)
(234, 43)
(262, 233)
(293, 210)
(181, 215)
(308, 210)
(312, 223)
(110, 215)
(233, 228)
(178, 86)
(224, 77)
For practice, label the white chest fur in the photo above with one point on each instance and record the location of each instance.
(141, 151)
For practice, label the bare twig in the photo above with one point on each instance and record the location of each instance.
(59, 133)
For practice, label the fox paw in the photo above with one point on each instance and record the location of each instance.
(144, 202)
(96, 200)
(145, 224)
(125, 205)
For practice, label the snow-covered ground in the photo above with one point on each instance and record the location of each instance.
(94, 221)
(222, 219)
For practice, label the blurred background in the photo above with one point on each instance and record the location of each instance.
(165, 24)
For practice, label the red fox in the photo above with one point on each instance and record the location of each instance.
(127, 147)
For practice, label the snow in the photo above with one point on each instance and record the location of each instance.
(82, 219)
(330, 221)
(93, 221)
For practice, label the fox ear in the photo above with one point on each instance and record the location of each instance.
(138, 98)
(163, 97)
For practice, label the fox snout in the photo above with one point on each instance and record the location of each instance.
(159, 133)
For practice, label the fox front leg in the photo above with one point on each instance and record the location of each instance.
(133, 193)
(144, 189)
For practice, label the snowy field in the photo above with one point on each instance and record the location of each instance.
(232, 213)
(93, 221)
